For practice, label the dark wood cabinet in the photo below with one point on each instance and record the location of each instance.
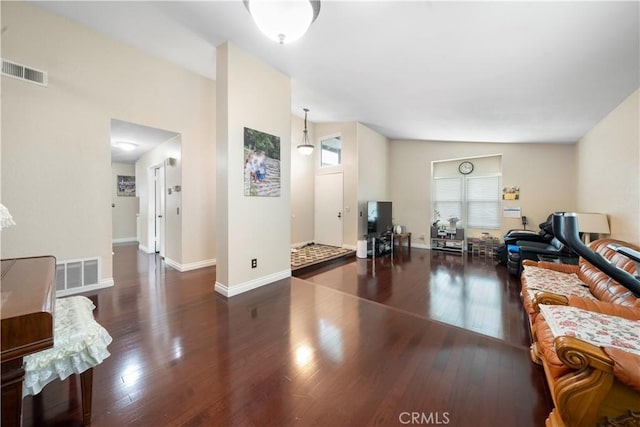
(28, 297)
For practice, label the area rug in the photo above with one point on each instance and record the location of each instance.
(314, 253)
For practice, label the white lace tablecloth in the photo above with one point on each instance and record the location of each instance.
(595, 328)
(80, 343)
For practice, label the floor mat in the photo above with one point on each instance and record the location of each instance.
(314, 253)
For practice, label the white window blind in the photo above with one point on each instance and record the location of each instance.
(483, 202)
(447, 195)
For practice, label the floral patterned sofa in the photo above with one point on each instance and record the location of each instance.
(550, 283)
(591, 361)
(586, 334)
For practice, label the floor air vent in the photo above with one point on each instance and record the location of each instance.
(74, 275)
(22, 72)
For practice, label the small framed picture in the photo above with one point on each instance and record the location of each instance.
(126, 186)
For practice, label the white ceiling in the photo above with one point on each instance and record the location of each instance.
(144, 138)
(460, 71)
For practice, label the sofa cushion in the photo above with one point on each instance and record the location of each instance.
(543, 279)
(595, 328)
(535, 279)
(625, 366)
(604, 307)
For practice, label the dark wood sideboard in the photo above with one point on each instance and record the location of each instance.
(28, 297)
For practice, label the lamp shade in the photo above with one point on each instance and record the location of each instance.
(593, 223)
(283, 21)
(6, 220)
(306, 147)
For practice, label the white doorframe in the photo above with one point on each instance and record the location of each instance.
(156, 209)
(329, 213)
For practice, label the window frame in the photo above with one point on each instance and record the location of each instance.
(464, 201)
(339, 153)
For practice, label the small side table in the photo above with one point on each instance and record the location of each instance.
(399, 238)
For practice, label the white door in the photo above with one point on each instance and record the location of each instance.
(328, 209)
(159, 207)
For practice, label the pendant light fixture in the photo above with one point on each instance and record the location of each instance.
(306, 147)
(283, 21)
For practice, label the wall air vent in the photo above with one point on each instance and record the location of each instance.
(22, 72)
(73, 276)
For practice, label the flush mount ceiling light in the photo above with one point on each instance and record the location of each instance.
(283, 21)
(126, 146)
(306, 147)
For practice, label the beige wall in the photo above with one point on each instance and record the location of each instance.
(608, 165)
(373, 156)
(250, 94)
(302, 184)
(125, 209)
(55, 140)
(544, 172)
(349, 168)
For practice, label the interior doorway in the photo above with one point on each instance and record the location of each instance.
(328, 209)
(151, 158)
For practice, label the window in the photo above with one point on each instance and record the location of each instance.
(331, 152)
(476, 199)
(483, 201)
(447, 198)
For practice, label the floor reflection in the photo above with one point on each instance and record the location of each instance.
(465, 291)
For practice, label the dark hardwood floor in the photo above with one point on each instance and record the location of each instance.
(357, 345)
(469, 292)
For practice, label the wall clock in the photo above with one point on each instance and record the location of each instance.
(465, 168)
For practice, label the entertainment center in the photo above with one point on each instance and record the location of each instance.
(448, 239)
(379, 228)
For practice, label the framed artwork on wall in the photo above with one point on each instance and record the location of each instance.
(261, 164)
(511, 193)
(126, 186)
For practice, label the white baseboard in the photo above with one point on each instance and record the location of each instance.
(251, 284)
(144, 249)
(189, 266)
(420, 246)
(125, 240)
(104, 283)
(350, 247)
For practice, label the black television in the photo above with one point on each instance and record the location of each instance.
(379, 217)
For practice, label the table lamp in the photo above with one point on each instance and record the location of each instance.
(592, 223)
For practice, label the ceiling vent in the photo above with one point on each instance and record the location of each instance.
(23, 72)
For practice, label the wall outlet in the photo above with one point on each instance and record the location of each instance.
(422, 237)
(254, 262)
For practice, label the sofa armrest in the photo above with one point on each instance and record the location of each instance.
(562, 268)
(604, 307)
(579, 394)
(579, 354)
(544, 297)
